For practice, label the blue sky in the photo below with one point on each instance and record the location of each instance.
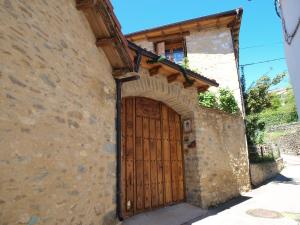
(261, 28)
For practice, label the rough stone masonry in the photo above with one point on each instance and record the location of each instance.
(57, 107)
(57, 127)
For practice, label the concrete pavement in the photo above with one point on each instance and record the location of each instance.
(275, 203)
(172, 215)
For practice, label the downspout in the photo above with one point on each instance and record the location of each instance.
(119, 83)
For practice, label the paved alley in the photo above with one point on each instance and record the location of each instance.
(275, 203)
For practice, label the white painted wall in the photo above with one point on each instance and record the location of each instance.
(291, 15)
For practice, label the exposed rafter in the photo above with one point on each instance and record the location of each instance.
(173, 77)
(202, 88)
(154, 70)
(100, 42)
(120, 71)
(187, 84)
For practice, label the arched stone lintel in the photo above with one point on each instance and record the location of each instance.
(183, 101)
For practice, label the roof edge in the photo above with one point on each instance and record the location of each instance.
(236, 12)
(171, 64)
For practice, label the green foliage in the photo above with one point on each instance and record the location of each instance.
(227, 101)
(275, 101)
(254, 130)
(283, 109)
(257, 97)
(208, 99)
(256, 158)
(224, 100)
(262, 108)
(271, 117)
(185, 63)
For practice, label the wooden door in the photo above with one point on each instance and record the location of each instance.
(152, 159)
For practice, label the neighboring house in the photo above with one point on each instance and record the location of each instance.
(79, 147)
(290, 16)
(210, 44)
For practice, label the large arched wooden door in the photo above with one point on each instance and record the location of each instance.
(152, 158)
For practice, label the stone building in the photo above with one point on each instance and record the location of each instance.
(94, 128)
(210, 44)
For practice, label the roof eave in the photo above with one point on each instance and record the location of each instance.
(106, 26)
(233, 12)
(173, 65)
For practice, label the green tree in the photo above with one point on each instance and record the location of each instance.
(257, 97)
(254, 130)
(275, 101)
(224, 100)
(227, 101)
(208, 99)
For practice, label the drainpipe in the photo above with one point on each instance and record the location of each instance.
(119, 83)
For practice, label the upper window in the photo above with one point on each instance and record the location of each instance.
(173, 50)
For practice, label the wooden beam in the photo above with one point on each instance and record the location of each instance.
(85, 4)
(100, 42)
(173, 77)
(154, 70)
(119, 71)
(169, 36)
(202, 88)
(187, 84)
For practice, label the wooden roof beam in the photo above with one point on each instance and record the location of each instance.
(120, 71)
(187, 84)
(84, 4)
(100, 42)
(202, 88)
(173, 77)
(169, 36)
(154, 70)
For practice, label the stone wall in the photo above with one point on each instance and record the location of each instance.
(57, 106)
(220, 157)
(146, 45)
(286, 138)
(210, 52)
(216, 158)
(260, 172)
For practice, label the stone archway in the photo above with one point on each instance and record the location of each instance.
(183, 101)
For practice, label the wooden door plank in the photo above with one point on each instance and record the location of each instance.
(146, 148)
(152, 160)
(129, 155)
(139, 185)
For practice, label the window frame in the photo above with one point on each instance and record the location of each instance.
(172, 45)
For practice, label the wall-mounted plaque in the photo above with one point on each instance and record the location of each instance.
(187, 125)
